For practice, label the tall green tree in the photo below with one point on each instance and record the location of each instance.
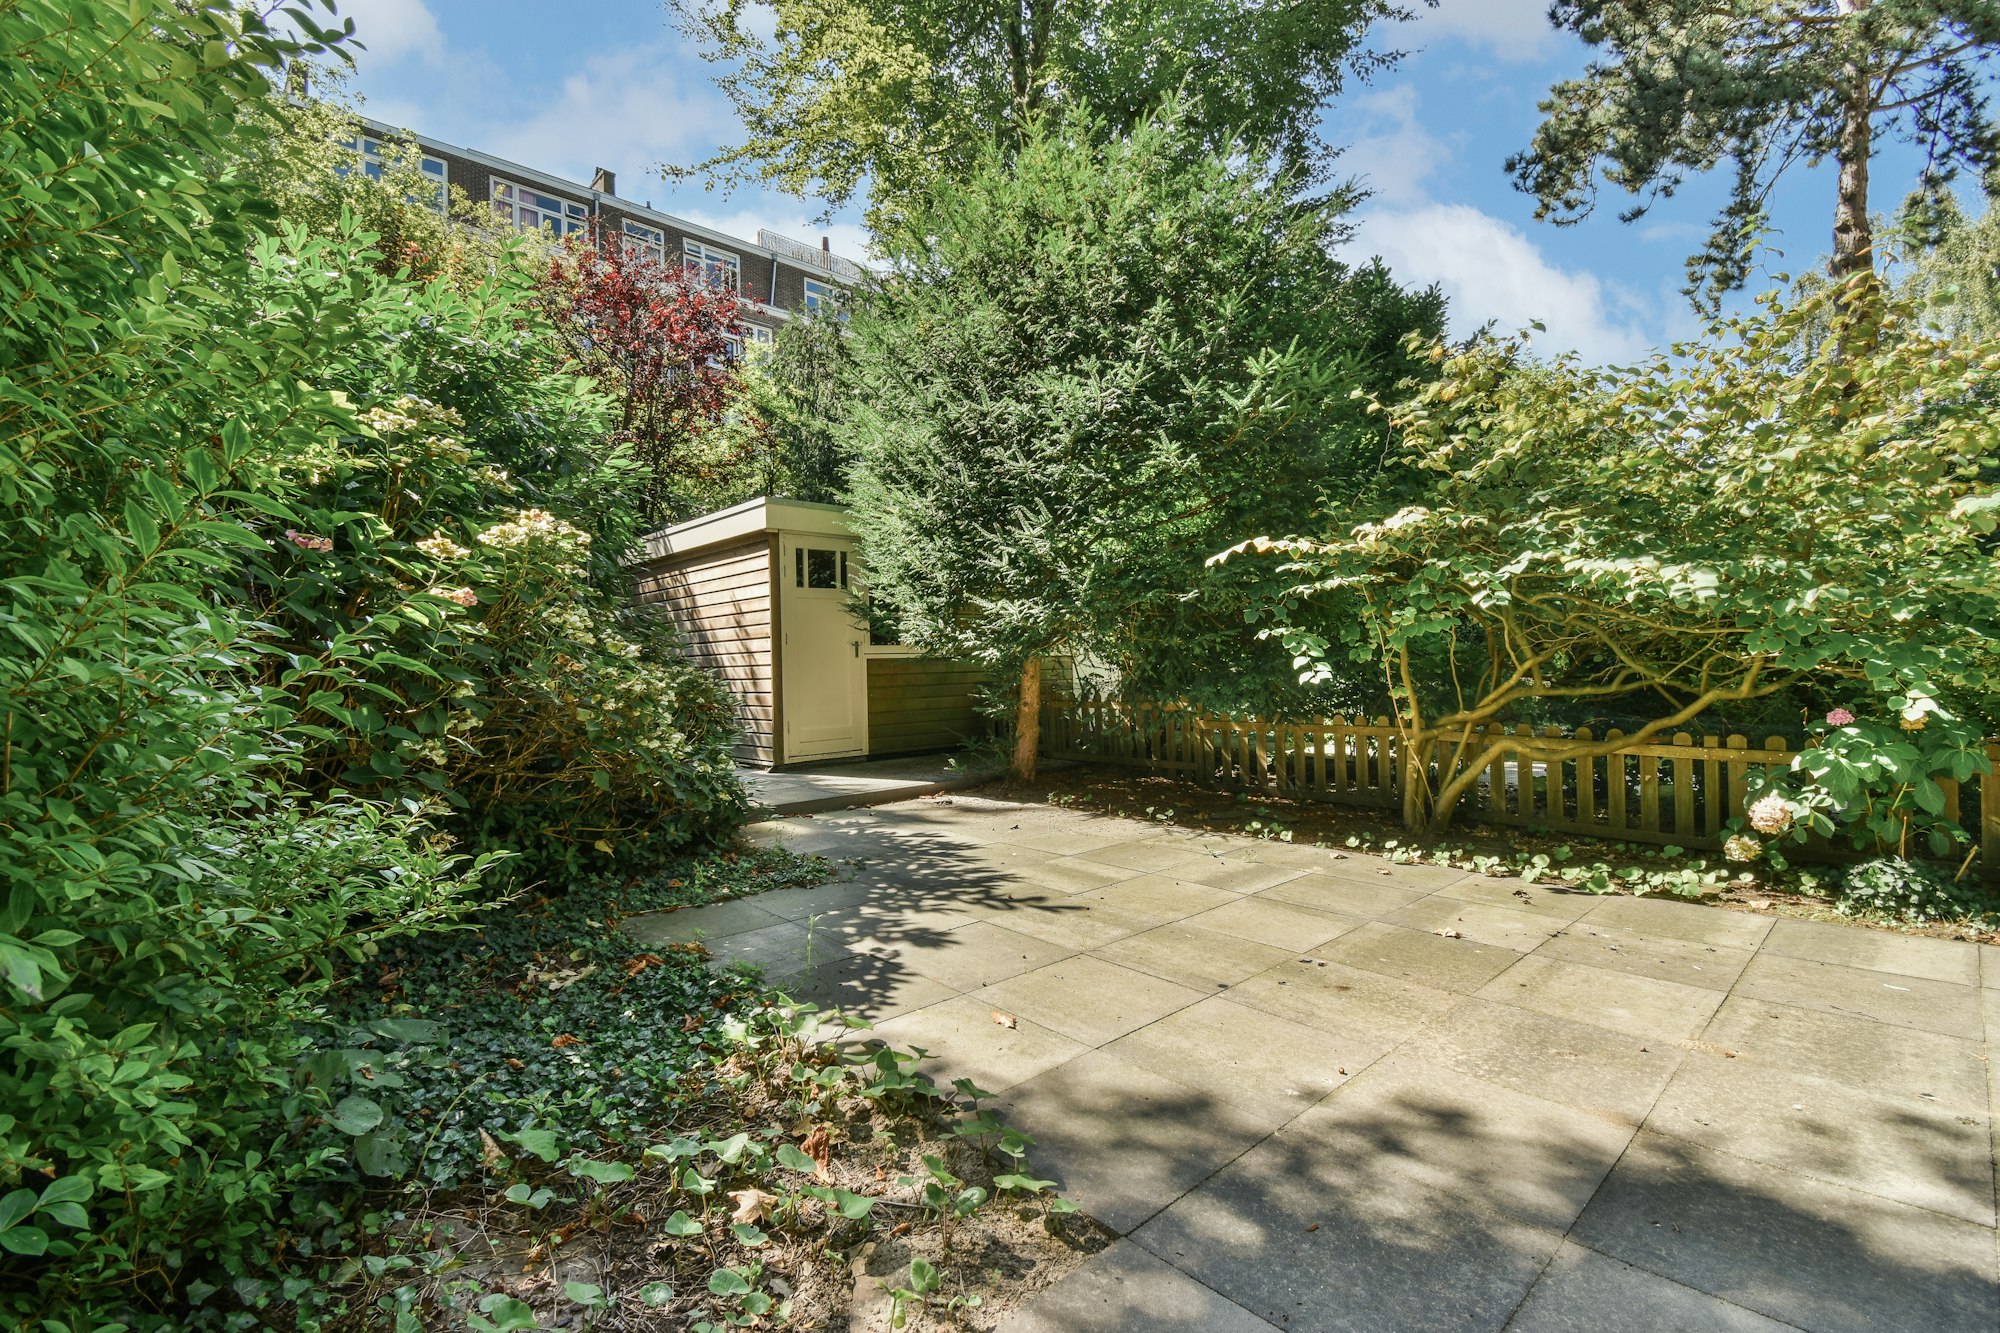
(841, 95)
(1950, 269)
(1681, 87)
(1096, 361)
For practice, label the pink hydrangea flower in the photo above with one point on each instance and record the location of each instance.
(465, 597)
(305, 541)
(1840, 717)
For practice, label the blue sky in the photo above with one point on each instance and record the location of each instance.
(587, 83)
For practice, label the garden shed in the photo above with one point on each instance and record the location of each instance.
(764, 592)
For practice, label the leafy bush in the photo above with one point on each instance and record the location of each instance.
(1873, 784)
(1598, 537)
(1909, 891)
(218, 633)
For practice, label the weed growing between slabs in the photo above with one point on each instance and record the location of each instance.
(564, 1128)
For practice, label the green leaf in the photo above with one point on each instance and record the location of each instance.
(28, 1241)
(680, 1224)
(656, 1294)
(356, 1115)
(380, 1153)
(604, 1173)
(788, 1156)
(16, 1206)
(67, 1189)
(416, 1030)
(21, 969)
(854, 1206)
(145, 532)
(728, 1282)
(543, 1143)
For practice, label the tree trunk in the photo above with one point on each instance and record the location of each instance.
(1416, 777)
(1853, 235)
(1028, 720)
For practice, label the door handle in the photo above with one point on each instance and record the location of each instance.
(856, 643)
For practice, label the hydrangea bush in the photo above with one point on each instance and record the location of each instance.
(1870, 783)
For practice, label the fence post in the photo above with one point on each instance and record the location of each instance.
(1989, 817)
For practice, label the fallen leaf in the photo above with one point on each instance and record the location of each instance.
(1450, 934)
(512, 1063)
(692, 1023)
(819, 1147)
(752, 1206)
(634, 966)
(565, 1039)
(1523, 895)
(1313, 1227)
(1006, 1020)
(490, 1153)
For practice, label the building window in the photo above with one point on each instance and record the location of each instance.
(377, 156)
(815, 568)
(531, 210)
(717, 268)
(821, 297)
(646, 240)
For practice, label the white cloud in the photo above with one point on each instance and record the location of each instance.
(1391, 153)
(1491, 270)
(1512, 30)
(394, 30)
(624, 110)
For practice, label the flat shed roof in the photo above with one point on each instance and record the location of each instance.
(763, 514)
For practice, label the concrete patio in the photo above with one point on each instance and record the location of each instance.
(1321, 1091)
(849, 783)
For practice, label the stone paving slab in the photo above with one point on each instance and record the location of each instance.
(1318, 1090)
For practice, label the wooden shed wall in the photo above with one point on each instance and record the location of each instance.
(921, 703)
(721, 599)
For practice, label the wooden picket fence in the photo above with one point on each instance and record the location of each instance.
(1681, 790)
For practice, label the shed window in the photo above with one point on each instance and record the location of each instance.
(816, 568)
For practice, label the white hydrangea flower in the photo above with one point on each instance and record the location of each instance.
(1741, 848)
(442, 548)
(1771, 814)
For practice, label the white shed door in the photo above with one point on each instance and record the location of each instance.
(822, 672)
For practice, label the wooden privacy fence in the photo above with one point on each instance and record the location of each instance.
(1681, 790)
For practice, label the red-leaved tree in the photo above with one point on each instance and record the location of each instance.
(659, 338)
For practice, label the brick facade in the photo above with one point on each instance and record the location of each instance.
(774, 283)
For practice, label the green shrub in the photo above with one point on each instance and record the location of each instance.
(216, 632)
(1910, 891)
(470, 527)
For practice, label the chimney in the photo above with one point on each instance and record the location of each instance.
(605, 181)
(825, 252)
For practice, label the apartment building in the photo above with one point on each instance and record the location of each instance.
(776, 276)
